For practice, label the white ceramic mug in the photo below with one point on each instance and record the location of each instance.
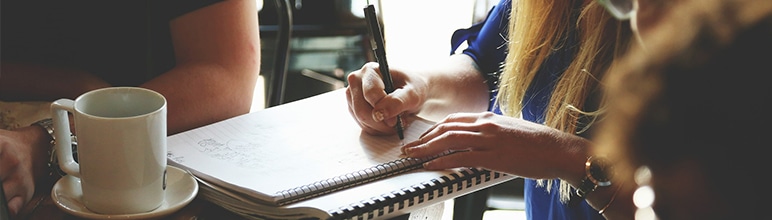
(121, 134)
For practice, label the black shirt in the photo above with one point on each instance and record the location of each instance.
(124, 42)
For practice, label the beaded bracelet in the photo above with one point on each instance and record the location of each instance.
(53, 161)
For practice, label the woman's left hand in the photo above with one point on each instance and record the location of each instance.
(501, 143)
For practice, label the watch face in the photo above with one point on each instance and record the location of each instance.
(599, 169)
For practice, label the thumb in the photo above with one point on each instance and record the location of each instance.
(393, 104)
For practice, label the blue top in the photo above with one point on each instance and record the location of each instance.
(487, 46)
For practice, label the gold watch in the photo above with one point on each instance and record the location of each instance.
(598, 173)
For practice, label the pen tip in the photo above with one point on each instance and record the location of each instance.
(400, 129)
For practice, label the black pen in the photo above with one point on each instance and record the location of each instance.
(376, 40)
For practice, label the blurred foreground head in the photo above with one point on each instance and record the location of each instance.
(695, 108)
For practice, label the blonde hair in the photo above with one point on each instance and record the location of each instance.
(537, 28)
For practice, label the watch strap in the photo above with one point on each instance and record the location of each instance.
(598, 172)
(585, 187)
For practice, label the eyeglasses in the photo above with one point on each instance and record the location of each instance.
(620, 9)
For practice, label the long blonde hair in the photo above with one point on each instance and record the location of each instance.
(537, 28)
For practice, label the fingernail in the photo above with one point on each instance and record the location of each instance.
(408, 151)
(378, 115)
(428, 164)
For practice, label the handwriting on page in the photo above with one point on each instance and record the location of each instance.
(247, 155)
(240, 153)
(281, 148)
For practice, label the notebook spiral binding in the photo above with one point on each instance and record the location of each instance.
(417, 194)
(376, 172)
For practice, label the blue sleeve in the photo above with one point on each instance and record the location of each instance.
(487, 41)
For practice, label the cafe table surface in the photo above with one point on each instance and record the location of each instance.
(42, 207)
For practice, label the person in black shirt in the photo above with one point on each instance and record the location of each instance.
(202, 55)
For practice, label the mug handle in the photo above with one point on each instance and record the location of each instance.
(59, 109)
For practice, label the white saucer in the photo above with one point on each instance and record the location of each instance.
(181, 188)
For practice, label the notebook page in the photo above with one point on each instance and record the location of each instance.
(288, 146)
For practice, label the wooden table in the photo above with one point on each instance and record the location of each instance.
(42, 207)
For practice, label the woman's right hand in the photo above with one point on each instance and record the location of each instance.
(373, 109)
(434, 89)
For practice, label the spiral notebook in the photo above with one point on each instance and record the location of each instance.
(310, 159)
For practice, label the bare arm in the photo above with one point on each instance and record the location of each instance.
(218, 58)
(457, 86)
(217, 49)
(522, 148)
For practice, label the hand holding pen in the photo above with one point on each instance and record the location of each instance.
(380, 54)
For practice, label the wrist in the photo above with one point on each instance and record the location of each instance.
(36, 143)
(571, 159)
(597, 174)
(53, 171)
